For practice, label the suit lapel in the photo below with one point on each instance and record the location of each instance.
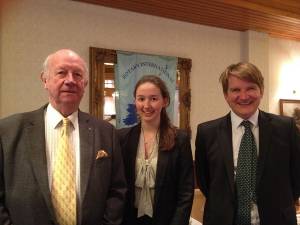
(37, 153)
(86, 135)
(161, 171)
(133, 145)
(265, 133)
(162, 165)
(225, 140)
(225, 143)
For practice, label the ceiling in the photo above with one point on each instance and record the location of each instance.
(278, 18)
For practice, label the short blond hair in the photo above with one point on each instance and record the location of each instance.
(244, 71)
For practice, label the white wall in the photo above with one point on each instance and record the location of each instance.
(284, 72)
(31, 29)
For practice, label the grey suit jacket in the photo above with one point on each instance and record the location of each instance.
(278, 182)
(25, 197)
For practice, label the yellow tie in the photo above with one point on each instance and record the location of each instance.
(63, 180)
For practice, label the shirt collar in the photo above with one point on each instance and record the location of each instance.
(54, 117)
(236, 120)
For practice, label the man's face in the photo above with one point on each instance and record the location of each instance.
(65, 80)
(243, 97)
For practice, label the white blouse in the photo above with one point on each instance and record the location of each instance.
(145, 177)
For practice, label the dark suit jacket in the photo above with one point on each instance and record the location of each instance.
(278, 184)
(174, 183)
(25, 197)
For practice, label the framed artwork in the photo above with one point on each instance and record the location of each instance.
(102, 70)
(289, 107)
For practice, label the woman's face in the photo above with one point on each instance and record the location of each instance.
(149, 102)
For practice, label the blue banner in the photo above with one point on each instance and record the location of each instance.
(129, 69)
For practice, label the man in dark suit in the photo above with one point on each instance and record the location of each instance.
(274, 165)
(29, 146)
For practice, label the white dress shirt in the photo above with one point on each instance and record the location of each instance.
(237, 134)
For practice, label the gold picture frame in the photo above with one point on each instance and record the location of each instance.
(100, 56)
(291, 108)
(288, 107)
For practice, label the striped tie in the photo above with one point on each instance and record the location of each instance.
(63, 180)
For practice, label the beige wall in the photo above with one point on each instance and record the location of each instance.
(31, 29)
(284, 72)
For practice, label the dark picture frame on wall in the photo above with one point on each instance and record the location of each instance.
(290, 107)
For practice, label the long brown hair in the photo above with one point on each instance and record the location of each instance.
(167, 131)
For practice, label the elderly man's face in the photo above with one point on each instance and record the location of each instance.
(65, 80)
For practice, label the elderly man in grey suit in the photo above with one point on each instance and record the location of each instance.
(36, 185)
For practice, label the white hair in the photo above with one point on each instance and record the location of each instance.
(45, 69)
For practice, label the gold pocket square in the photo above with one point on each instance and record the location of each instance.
(101, 154)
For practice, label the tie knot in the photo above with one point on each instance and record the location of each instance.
(246, 124)
(65, 122)
(65, 126)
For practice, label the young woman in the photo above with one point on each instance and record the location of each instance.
(158, 161)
